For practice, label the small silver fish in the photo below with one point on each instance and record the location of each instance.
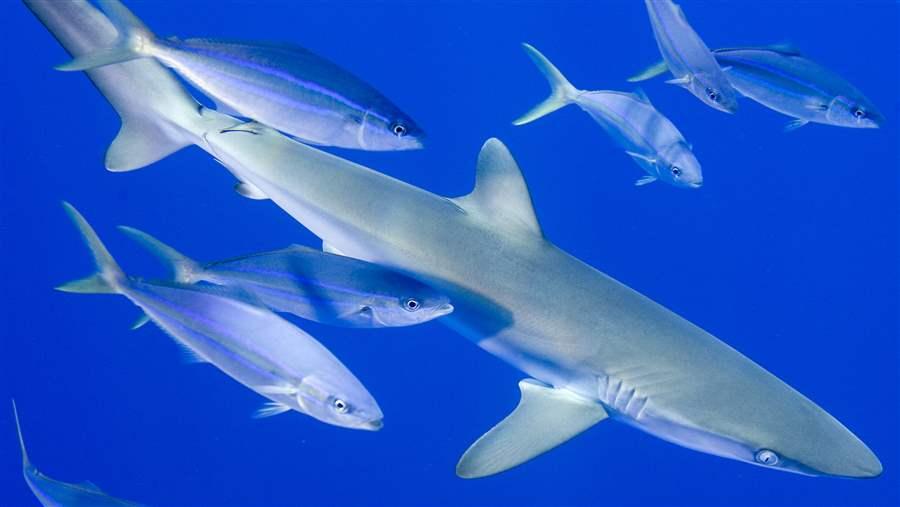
(646, 135)
(315, 285)
(782, 79)
(249, 343)
(285, 87)
(53, 493)
(688, 58)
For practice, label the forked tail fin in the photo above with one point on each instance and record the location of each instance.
(25, 460)
(562, 92)
(109, 277)
(158, 116)
(133, 41)
(183, 267)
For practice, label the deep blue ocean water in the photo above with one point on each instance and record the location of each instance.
(789, 253)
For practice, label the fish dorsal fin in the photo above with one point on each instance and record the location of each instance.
(90, 486)
(500, 193)
(641, 95)
(545, 418)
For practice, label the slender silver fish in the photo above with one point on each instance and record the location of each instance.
(782, 79)
(283, 86)
(53, 493)
(315, 285)
(593, 347)
(250, 344)
(688, 58)
(630, 119)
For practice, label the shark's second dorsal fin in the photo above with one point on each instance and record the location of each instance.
(500, 191)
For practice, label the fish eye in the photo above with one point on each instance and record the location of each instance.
(411, 305)
(713, 96)
(676, 171)
(398, 129)
(859, 113)
(340, 406)
(766, 457)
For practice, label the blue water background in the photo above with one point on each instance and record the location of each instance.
(789, 253)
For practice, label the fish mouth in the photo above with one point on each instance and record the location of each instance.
(373, 425)
(695, 184)
(444, 309)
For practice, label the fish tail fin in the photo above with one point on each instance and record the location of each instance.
(25, 460)
(134, 40)
(184, 269)
(109, 277)
(562, 92)
(650, 72)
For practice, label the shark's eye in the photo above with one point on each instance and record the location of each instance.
(676, 171)
(340, 406)
(859, 113)
(411, 305)
(398, 129)
(766, 457)
(713, 96)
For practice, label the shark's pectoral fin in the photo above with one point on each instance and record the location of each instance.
(500, 193)
(545, 418)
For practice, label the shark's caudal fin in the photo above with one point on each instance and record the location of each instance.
(500, 193)
(109, 277)
(132, 43)
(545, 418)
(562, 92)
(25, 460)
(158, 115)
(183, 267)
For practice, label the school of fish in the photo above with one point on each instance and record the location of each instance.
(378, 269)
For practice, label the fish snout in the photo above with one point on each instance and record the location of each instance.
(373, 425)
(444, 309)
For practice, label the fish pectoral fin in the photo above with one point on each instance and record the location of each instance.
(680, 81)
(641, 157)
(140, 322)
(544, 418)
(794, 125)
(650, 72)
(817, 106)
(250, 191)
(646, 180)
(285, 390)
(270, 409)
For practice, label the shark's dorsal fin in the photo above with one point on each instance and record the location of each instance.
(545, 418)
(500, 191)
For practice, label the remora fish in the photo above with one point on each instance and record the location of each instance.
(315, 285)
(53, 493)
(283, 86)
(250, 344)
(593, 347)
(690, 61)
(646, 135)
(782, 79)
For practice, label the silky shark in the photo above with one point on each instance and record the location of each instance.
(592, 348)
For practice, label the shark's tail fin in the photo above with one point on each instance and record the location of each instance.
(158, 116)
(562, 92)
(25, 460)
(184, 269)
(133, 42)
(109, 277)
